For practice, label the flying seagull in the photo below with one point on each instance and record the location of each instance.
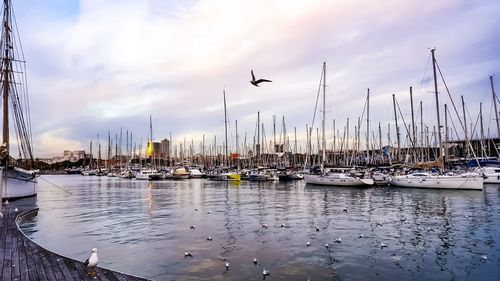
(256, 82)
(91, 262)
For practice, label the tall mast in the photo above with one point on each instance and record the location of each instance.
(7, 66)
(466, 143)
(225, 128)
(414, 135)
(439, 151)
(368, 127)
(397, 127)
(258, 138)
(446, 139)
(324, 117)
(495, 104)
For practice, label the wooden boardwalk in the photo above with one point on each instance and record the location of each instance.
(21, 259)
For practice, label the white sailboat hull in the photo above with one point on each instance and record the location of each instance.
(473, 182)
(19, 184)
(336, 181)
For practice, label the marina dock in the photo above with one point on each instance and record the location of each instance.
(22, 259)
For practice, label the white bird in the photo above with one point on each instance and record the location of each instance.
(264, 225)
(192, 226)
(91, 262)
(265, 272)
(282, 225)
(308, 243)
(254, 260)
(382, 245)
(326, 245)
(317, 229)
(209, 238)
(227, 266)
(361, 236)
(16, 210)
(338, 240)
(484, 257)
(187, 254)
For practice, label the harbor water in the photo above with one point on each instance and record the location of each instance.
(376, 233)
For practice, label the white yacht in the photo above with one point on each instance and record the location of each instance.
(426, 180)
(337, 179)
(148, 174)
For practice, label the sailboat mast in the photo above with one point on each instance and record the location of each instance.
(439, 150)
(7, 65)
(368, 127)
(495, 104)
(323, 144)
(225, 128)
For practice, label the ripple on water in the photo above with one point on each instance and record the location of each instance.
(430, 234)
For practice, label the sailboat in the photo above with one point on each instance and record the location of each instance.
(448, 181)
(18, 179)
(338, 178)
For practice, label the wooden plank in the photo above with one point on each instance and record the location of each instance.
(59, 262)
(107, 274)
(51, 270)
(72, 269)
(23, 266)
(120, 276)
(32, 273)
(16, 274)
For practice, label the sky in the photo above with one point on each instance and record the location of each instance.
(99, 65)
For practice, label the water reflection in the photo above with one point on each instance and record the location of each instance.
(430, 234)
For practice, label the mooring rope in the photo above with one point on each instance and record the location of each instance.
(55, 185)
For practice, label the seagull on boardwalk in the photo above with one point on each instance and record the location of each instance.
(192, 226)
(308, 244)
(256, 82)
(254, 260)
(338, 240)
(209, 238)
(326, 245)
(91, 262)
(227, 266)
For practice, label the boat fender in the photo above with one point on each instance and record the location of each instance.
(437, 181)
(409, 180)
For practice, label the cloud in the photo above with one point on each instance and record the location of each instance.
(101, 65)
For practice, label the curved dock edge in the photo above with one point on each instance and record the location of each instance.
(24, 259)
